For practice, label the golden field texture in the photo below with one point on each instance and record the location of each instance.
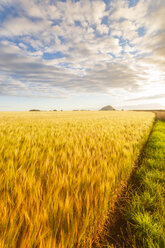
(59, 173)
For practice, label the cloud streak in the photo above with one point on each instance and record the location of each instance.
(148, 97)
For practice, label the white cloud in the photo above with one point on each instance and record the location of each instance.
(20, 26)
(120, 9)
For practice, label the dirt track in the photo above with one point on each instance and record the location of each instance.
(160, 115)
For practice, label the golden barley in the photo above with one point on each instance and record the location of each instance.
(59, 173)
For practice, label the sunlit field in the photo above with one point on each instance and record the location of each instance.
(60, 173)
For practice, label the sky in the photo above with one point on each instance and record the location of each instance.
(57, 54)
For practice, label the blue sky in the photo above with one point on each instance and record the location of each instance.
(82, 54)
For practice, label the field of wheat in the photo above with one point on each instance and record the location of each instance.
(59, 173)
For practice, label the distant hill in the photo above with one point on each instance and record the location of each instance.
(107, 108)
(34, 110)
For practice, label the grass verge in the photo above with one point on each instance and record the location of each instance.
(141, 218)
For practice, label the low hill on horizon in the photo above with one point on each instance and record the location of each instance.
(107, 108)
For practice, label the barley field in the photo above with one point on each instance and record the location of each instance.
(60, 173)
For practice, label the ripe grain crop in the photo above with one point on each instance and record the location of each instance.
(59, 173)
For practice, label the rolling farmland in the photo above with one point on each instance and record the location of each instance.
(60, 173)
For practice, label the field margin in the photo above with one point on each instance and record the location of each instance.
(136, 216)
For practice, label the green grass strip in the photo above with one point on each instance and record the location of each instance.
(145, 214)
